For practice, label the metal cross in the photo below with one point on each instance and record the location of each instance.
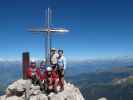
(48, 31)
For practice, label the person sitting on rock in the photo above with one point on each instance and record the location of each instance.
(52, 79)
(49, 80)
(41, 75)
(32, 71)
(55, 78)
(60, 68)
(41, 71)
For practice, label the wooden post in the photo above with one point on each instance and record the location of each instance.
(26, 63)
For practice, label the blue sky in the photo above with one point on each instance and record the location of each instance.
(98, 28)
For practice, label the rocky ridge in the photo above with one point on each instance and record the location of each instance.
(33, 92)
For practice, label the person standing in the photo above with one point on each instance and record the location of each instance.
(60, 68)
(54, 57)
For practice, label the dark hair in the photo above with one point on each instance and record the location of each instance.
(60, 51)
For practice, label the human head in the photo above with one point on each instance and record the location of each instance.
(33, 63)
(60, 52)
(53, 51)
(49, 69)
(42, 64)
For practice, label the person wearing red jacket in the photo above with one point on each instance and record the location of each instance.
(55, 79)
(31, 72)
(41, 74)
(52, 79)
(41, 71)
(49, 81)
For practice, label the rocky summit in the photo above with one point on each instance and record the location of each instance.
(24, 90)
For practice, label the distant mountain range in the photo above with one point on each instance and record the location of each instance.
(114, 84)
(87, 66)
(13, 68)
(86, 74)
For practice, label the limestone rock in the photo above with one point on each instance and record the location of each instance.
(33, 92)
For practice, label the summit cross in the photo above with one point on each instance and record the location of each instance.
(48, 31)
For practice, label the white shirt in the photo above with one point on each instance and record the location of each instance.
(62, 62)
(54, 58)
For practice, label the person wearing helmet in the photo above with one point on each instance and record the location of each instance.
(31, 72)
(42, 71)
(49, 80)
(60, 68)
(53, 57)
(41, 75)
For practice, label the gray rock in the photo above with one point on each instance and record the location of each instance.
(70, 92)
